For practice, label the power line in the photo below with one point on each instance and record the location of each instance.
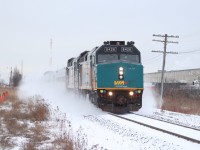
(193, 34)
(166, 52)
(165, 41)
(149, 59)
(189, 51)
(152, 59)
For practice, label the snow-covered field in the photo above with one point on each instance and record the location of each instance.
(102, 131)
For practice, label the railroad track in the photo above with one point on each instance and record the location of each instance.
(166, 121)
(159, 129)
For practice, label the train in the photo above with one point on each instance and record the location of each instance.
(111, 75)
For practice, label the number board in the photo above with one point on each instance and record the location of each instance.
(110, 49)
(127, 49)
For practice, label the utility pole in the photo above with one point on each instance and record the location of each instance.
(22, 68)
(51, 59)
(10, 82)
(165, 41)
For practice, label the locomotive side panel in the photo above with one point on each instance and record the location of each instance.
(70, 77)
(85, 75)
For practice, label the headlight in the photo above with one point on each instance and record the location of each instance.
(121, 77)
(110, 93)
(121, 68)
(101, 91)
(131, 93)
(121, 73)
(139, 91)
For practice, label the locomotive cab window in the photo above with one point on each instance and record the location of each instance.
(129, 58)
(104, 58)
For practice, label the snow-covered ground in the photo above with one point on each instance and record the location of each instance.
(107, 132)
(174, 117)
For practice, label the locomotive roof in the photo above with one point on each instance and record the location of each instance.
(117, 46)
(114, 42)
(83, 56)
(69, 60)
(83, 53)
(101, 48)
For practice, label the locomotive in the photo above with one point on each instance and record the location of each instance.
(111, 75)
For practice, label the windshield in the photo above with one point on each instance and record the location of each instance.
(129, 58)
(103, 58)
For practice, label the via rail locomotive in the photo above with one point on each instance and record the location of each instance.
(111, 74)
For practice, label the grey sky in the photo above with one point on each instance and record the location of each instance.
(26, 27)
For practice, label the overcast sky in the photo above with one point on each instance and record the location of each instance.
(26, 27)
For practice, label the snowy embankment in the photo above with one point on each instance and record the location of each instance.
(102, 131)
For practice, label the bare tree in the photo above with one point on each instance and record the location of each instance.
(16, 77)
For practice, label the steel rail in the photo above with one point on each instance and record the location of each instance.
(158, 129)
(166, 121)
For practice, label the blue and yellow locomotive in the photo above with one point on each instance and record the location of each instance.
(111, 74)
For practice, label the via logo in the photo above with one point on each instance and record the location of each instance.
(119, 82)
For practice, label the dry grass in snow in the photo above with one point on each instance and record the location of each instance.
(180, 100)
(31, 124)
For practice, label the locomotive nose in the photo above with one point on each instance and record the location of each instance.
(121, 100)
